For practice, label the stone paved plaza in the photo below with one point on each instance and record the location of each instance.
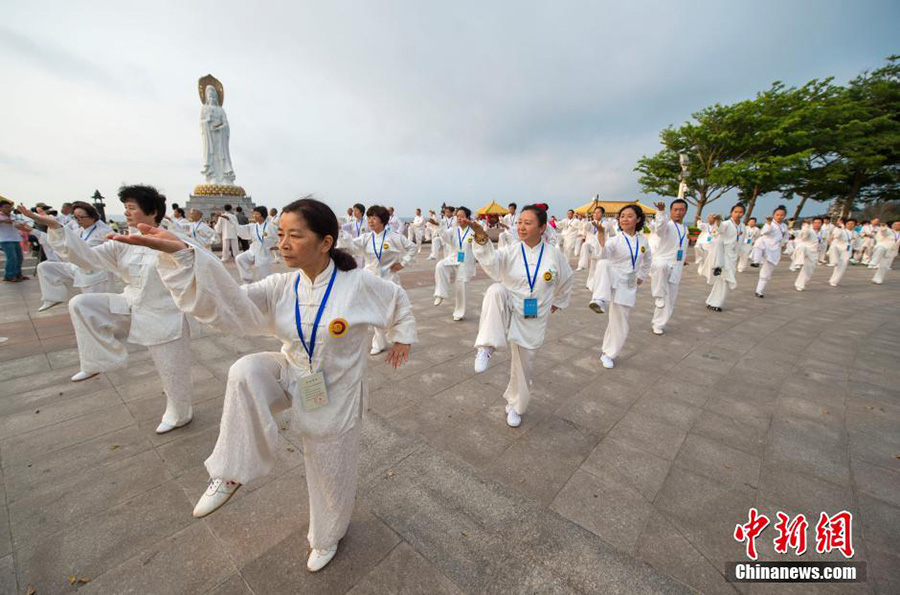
(628, 480)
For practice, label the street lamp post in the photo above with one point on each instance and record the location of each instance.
(99, 204)
(682, 186)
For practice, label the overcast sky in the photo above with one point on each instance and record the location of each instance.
(405, 103)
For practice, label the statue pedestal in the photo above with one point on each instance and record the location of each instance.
(209, 203)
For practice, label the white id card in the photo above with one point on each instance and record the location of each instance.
(632, 279)
(312, 391)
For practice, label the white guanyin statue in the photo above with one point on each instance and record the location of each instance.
(214, 131)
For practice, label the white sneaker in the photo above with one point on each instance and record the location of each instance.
(431, 258)
(579, 269)
(597, 306)
(657, 331)
(47, 305)
(83, 376)
(318, 559)
(457, 318)
(375, 351)
(513, 419)
(163, 427)
(215, 496)
(798, 288)
(483, 359)
(607, 362)
(438, 301)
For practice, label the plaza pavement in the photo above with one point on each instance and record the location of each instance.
(628, 480)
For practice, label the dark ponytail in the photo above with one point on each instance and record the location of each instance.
(321, 220)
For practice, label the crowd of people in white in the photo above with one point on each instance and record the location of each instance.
(343, 279)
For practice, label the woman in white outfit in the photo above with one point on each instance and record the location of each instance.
(509, 223)
(843, 242)
(769, 246)
(200, 232)
(533, 279)
(704, 239)
(745, 250)
(226, 225)
(385, 253)
(255, 263)
(806, 252)
(353, 229)
(415, 231)
(668, 261)
(590, 250)
(720, 266)
(887, 244)
(460, 263)
(144, 313)
(623, 267)
(57, 279)
(321, 312)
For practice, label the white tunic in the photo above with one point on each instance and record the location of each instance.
(154, 317)
(452, 238)
(621, 256)
(806, 245)
(263, 237)
(227, 227)
(382, 250)
(843, 242)
(723, 254)
(202, 287)
(506, 266)
(770, 242)
(201, 233)
(670, 238)
(92, 236)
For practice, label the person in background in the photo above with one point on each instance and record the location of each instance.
(11, 242)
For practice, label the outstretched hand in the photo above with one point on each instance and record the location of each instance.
(398, 355)
(152, 237)
(40, 216)
(660, 205)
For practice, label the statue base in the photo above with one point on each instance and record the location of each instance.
(208, 204)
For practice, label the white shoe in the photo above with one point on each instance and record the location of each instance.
(318, 559)
(657, 331)
(375, 351)
(438, 301)
(83, 376)
(431, 258)
(579, 269)
(607, 362)
(597, 306)
(47, 305)
(163, 427)
(660, 302)
(798, 288)
(216, 495)
(483, 359)
(513, 419)
(457, 318)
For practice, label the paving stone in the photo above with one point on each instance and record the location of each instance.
(8, 585)
(404, 571)
(233, 585)
(640, 470)
(713, 460)
(649, 434)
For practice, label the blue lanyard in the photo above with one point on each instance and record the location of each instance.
(449, 223)
(312, 339)
(680, 235)
(637, 247)
(194, 231)
(532, 280)
(375, 249)
(358, 227)
(85, 238)
(259, 237)
(461, 237)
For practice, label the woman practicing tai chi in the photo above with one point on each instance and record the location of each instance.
(721, 264)
(624, 264)
(321, 313)
(533, 280)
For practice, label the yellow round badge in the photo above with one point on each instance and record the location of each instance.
(643, 249)
(385, 247)
(469, 240)
(548, 276)
(337, 327)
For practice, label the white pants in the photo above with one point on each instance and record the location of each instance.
(436, 247)
(248, 440)
(662, 315)
(100, 335)
(744, 259)
(765, 275)
(839, 270)
(806, 272)
(584, 257)
(579, 244)
(568, 246)
(442, 273)
(700, 250)
(230, 249)
(719, 292)
(616, 328)
(882, 261)
(492, 329)
(245, 262)
(57, 280)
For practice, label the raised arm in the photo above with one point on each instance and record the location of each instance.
(659, 225)
(492, 261)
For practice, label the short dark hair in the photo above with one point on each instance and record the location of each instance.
(361, 207)
(227, 207)
(736, 205)
(639, 212)
(379, 211)
(751, 219)
(321, 220)
(466, 210)
(600, 208)
(539, 211)
(148, 199)
(514, 205)
(570, 211)
(818, 219)
(679, 201)
(87, 208)
(263, 212)
(780, 208)
(850, 219)
(239, 209)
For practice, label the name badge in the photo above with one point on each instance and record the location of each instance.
(748, 240)
(709, 239)
(632, 279)
(848, 247)
(680, 255)
(530, 310)
(312, 391)
(460, 256)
